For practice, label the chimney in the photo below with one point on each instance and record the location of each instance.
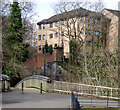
(119, 5)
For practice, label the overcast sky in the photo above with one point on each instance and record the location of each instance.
(44, 8)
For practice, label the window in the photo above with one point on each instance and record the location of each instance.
(55, 45)
(82, 19)
(82, 31)
(96, 21)
(43, 26)
(44, 37)
(86, 31)
(90, 20)
(62, 33)
(51, 25)
(62, 22)
(39, 37)
(39, 47)
(90, 32)
(51, 36)
(88, 43)
(56, 34)
(56, 24)
(97, 33)
(40, 26)
(86, 19)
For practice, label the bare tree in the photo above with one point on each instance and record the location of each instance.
(94, 65)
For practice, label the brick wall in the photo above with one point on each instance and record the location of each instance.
(38, 60)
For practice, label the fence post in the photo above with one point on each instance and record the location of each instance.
(72, 101)
(96, 91)
(118, 97)
(91, 97)
(111, 92)
(68, 87)
(41, 88)
(22, 87)
(107, 98)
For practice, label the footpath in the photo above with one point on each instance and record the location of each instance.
(31, 98)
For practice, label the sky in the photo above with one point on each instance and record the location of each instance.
(44, 8)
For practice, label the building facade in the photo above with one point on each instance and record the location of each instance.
(113, 29)
(81, 24)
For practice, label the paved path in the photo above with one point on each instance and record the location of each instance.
(31, 98)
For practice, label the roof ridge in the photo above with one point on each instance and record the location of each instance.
(72, 13)
(112, 10)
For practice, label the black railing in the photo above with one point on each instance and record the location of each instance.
(91, 99)
(75, 102)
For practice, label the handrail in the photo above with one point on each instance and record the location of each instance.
(83, 89)
(87, 85)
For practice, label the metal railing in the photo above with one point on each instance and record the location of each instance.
(92, 101)
(75, 103)
(68, 87)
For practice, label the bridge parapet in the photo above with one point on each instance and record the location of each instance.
(34, 82)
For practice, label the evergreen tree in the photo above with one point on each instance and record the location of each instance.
(15, 25)
(15, 38)
(50, 49)
(16, 51)
(47, 49)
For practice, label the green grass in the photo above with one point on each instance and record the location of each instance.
(85, 108)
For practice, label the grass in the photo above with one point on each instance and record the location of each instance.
(85, 108)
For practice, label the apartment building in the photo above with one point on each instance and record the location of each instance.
(81, 24)
(113, 29)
